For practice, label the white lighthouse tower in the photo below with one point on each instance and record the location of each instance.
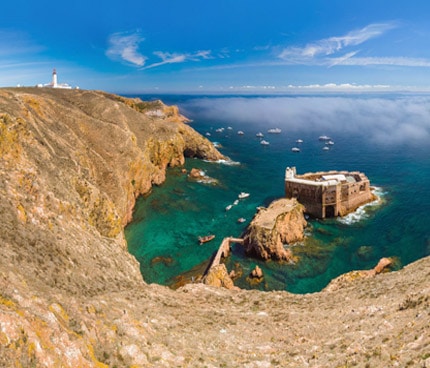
(54, 82)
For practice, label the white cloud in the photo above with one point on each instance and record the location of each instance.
(172, 58)
(333, 45)
(126, 47)
(395, 61)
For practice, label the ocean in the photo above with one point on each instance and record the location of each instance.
(385, 136)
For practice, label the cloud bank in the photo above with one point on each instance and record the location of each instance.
(382, 120)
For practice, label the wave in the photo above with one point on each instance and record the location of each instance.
(225, 162)
(362, 212)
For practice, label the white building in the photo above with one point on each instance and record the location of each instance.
(54, 83)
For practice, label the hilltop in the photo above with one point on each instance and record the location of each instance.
(72, 163)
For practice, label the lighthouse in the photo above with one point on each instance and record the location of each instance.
(54, 82)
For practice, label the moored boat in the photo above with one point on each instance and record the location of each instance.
(205, 239)
(264, 143)
(295, 149)
(274, 131)
(243, 195)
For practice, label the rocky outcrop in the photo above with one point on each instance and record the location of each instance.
(218, 276)
(71, 165)
(343, 280)
(271, 229)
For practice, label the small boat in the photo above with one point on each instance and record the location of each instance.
(330, 143)
(299, 141)
(260, 135)
(274, 131)
(326, 148)
(229, 128)
(243, 195)
(240, 132)
(236, 202)
(241, 220)
(228, 208)
(219, 130)
(205, 239)
(324, 138)
(208, 134)
(295, 149)
(264, 143)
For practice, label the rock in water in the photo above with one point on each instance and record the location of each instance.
(281, 223)
(256, 273)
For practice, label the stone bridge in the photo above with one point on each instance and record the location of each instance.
(223, 252)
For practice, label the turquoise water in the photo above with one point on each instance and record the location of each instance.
(385, 137)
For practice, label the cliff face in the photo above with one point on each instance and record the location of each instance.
(71, 166)
(281, 223)
(73, 163)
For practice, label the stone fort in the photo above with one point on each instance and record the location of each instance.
(328, 194)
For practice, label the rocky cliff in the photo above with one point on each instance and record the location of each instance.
(71, 165)
(282, 223)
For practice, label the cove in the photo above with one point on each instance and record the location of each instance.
(163, 235)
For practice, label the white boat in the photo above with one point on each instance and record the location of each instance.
(228, 207)
(229, 128)
(208, 134)
(299, 141)
(324, 138)
(219, 130)
(260, 135)
(330, 143)
(264, 143)
(243, 195)
(236, 202)
(326, 148)
(240, 132)
(274, 131)
(241, 220)
(295, 149)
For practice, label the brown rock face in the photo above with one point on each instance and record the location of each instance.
(347, 278)
(219, 277)
(72, 164)
(281, 223)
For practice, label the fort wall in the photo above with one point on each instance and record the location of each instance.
(328, 194)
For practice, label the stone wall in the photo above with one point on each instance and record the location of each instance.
(328, 198)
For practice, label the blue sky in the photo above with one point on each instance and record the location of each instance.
(223, 46)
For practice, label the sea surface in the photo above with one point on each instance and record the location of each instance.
(385, 136)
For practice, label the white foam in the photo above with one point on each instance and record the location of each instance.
(361, 212)
(225, 162)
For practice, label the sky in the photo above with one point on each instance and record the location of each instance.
(222, 46)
